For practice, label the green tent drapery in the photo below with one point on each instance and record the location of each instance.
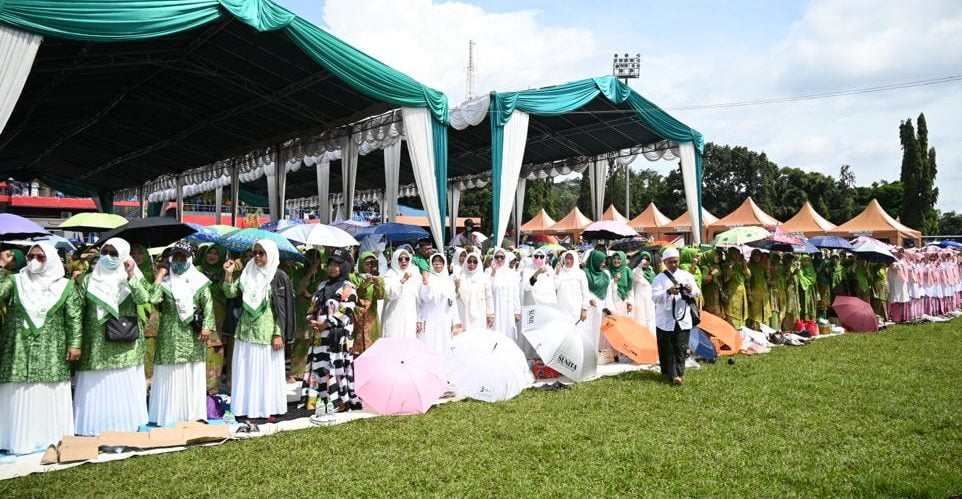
(568, 97)
(127, 20)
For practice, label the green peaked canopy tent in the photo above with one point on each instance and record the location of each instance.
(590, 118)
(101, 95)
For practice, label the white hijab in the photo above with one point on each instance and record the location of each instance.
(184, 288)
(565, 272)
(478, 273)
(41, 289)
(504, 272)
(456, 261)
(109, 288)
(255, 281)
(440, 282)
(396, 265)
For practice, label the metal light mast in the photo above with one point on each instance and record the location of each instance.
(472, 76)
(625, 67)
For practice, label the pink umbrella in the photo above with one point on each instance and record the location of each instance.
(399, 376)
(608, 229)
(856, 315)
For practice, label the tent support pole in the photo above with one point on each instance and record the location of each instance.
(218, 204)
(142, 198)
(234, 194)
(180, 198)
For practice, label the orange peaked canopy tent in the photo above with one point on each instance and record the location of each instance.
(613, 215)
(650, 220)
(808, 222)
(539, 224)
(573, 223)
(748, 214)
(682, 224)
(875, 222)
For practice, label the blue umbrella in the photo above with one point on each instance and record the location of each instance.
(203, 235)
(243, 240)
(805, 248)
(949, 244)
(281, 225)
(395, 232)
(61, 242)
(831, 242)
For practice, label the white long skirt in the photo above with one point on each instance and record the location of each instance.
(178, 393)
(110, 400)
(34, 415)
(258, 384)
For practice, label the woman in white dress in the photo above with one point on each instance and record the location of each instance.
(457, 261)
(644, 308)
(537, 282)
(572, 288)
(475, 304)
(401, 286)
(506, 294)
(439, 315)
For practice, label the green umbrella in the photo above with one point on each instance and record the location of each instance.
(92, 222)
(222, 229)
(740, 235)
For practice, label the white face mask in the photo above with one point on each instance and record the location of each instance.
(34, 266)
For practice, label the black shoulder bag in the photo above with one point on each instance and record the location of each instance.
(122, 329)
(692, 305)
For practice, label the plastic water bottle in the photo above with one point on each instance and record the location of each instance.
(229, 418)
(329, 412)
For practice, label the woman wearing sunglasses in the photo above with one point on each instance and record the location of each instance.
(401, 286)
(111, 387)
(40, 336)
(537, 281)
(258, 381)
(475, 305)
(439, 316)
(506, 293)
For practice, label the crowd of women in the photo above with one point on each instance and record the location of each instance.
(112, 339)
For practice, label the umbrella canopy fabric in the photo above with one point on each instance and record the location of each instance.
(701, 346)
(92, 222)
(609, 229)
(151, 231)
(352, 227)
(561, 345)
(875, 252)
(741, 235)
(223, 229)
(486, 366)
(729, 342)
(17, 227)
(203, 235)
(630, 338)
(399, 376)
(629, 245)
(59, 242)
(395, 232)
(281, 225)
(244, 239)
(831, 242)
(856, 314)
(319, 235)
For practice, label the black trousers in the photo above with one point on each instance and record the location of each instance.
(672, 350)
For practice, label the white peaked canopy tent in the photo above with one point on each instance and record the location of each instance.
(586, 122)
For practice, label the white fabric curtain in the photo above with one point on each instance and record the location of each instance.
(17, 51)
(515, 139)
(519, 208)
(454, 196)
(270, 171)
(686, 153)
(324, 189)
(470, 113)
(392, 169)
(420, 139)
(349, 172)
(598, 174)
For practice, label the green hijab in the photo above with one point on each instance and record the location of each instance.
(147, 266)
(806, 275)
(19, 259)
(213, 271)
(624, 283)
(649, 271)
(598, 279)
(686, 261)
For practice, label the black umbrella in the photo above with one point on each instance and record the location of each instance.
(151, 232)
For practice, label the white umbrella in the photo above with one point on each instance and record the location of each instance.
(561, 344)
(487, 366)
(319, 235)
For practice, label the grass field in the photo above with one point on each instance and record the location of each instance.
(870, 414)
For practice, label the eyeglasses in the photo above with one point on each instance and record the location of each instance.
(539, 257)
(40, 258)
(112, 253)
(499, 257)
(260, 253)
(404, 259)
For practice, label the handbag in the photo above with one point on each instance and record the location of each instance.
(122, 329)
(197, 322)
(692, 305)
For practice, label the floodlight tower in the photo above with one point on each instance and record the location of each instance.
(472, 75)
(625, 67)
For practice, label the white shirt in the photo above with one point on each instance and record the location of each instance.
(668, 307)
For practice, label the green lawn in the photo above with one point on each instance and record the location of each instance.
(864, 414)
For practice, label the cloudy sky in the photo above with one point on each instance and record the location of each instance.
(701, 53)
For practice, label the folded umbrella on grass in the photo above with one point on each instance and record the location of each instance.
(562, 345)
(631, 339)
(486, 366)
(856, 314)
(399, 376)
(726, 339)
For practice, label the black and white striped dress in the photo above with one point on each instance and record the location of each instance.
(330, 362)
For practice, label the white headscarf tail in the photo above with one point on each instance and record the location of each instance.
(39, 291)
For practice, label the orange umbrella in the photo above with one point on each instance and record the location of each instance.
(630, 338)
(723, 335)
